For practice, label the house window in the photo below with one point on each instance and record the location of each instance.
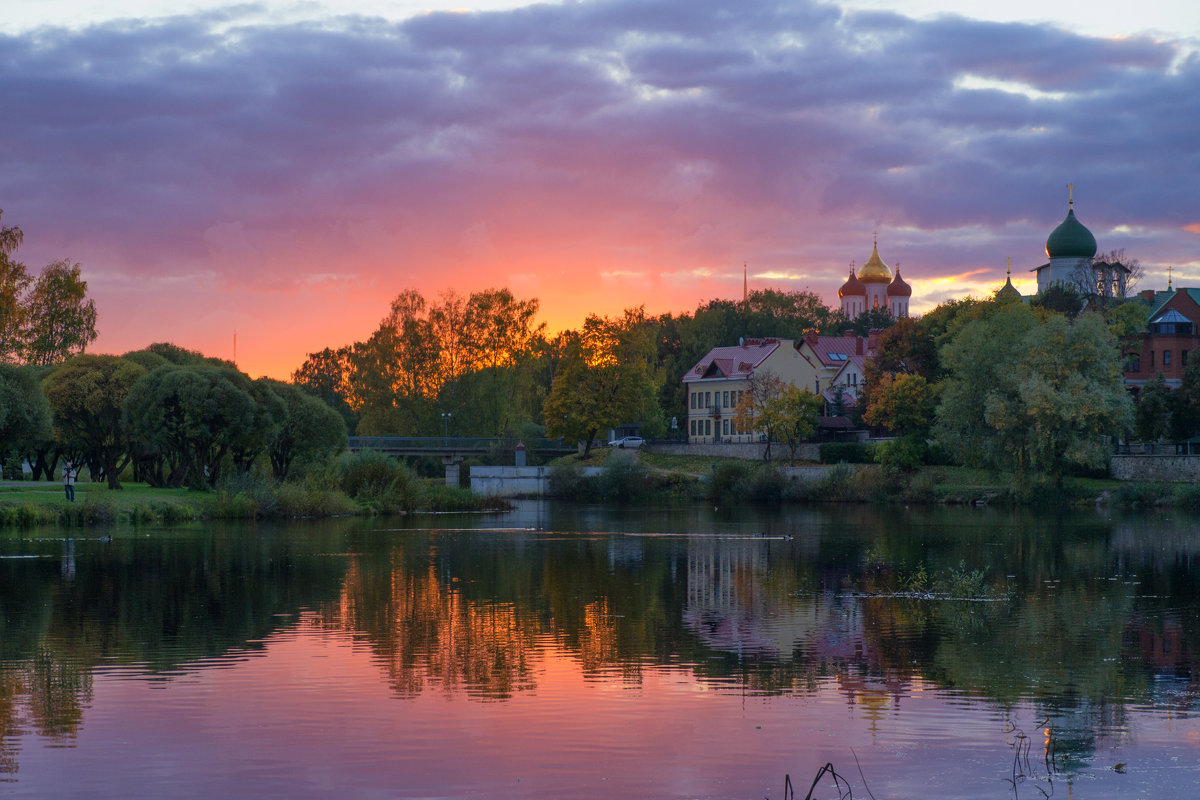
(725, 427)
(1151, 359)
(1133, 363)
(708, 399)
(1183, 358)
(708, 427)
(693, 427)
(725, 401)
(1166, 358)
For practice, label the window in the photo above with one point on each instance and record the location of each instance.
(725, 401)
(693, 399)
(1133, 363)
(1166, 358)
(1183, 354)
(707, 426)
(693, 427)
(725, 427)
(708, 399)
(1151, 359)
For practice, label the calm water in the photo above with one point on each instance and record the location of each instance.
(566, 652)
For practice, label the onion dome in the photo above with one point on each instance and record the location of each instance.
(852, 286)
(899, 287)
(1007, 292)
(1071, 239)
(875, 271)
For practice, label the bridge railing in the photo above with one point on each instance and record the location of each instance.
(455, 443)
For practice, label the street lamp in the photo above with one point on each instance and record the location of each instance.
(446, 415)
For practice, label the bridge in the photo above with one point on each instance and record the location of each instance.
(451, 449)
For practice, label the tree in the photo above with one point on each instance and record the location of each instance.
(60, 321)
(607, 378)
(87, 394)
(1063, 298)
(901, 403)
(326, 376)
(1185, 405)
(194, 415)
(14, 280)
(310, 430)
(794, 412)
(1032, 394)
(754, 412)
(24, 414)
(1152, 418)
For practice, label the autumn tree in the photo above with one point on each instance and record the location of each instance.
(754, 410)
(901, 403)
(793, 415)
(607, 378)
(326, 376)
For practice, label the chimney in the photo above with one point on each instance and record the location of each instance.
(1148, 294)
(858, 346)
(811, 338)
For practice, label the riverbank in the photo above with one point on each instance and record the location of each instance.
(28, 503)
(657, 477)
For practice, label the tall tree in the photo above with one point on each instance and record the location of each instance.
(1152, 419)
(901, 403)
(25, 419)
(607, 378)
(60, 319)
(1032, 393)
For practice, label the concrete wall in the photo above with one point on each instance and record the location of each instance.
(749, 450)
(516, 481)
(1173, 469)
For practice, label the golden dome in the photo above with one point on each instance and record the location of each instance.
(875, 271)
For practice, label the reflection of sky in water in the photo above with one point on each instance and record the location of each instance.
(311, 717)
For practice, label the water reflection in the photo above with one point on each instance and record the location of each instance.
(1089, 620)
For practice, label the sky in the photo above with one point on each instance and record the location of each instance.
(272, 174)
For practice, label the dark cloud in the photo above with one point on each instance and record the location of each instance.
(611, 122)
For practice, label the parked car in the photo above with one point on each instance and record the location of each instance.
(627, 441)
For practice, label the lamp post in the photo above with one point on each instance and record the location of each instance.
(446, 415)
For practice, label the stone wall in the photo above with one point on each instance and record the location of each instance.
(516, 481)
(1173, 469)
(748, 450)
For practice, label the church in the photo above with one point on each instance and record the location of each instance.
(874, 288)
(1071, 248)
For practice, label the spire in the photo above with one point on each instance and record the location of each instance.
(1168, 277)
(1070, 196)
(745, 286)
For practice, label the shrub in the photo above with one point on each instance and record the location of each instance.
(848, 452)
(379, 483)
(764, 484)
(836, 485)
(724, 483)
(905, 454)
(623, 480)
(1141, 495)
(568, 482)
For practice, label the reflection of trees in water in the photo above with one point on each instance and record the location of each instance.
(154, 602)
(427, 632)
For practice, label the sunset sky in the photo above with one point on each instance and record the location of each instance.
(283, 169)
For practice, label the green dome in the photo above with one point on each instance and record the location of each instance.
(1071, 240)
(1007, 293)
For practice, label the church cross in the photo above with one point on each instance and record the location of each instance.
(1008, 261)
(1070, 195)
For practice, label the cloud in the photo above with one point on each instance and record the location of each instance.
(563, 143)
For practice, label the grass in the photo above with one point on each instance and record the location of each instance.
(248, 498)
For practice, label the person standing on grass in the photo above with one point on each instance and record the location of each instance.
(69, 481)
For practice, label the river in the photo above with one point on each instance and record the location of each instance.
(566, 651)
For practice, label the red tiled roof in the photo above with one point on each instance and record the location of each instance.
(825, 346)
(738, 361)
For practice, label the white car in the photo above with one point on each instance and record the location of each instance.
(627, 441)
